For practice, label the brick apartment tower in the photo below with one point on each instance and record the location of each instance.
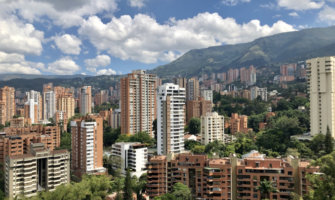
(7, 104)
(138, 102)
(85, 100)
(87, 145)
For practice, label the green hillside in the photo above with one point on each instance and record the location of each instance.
(267, 51)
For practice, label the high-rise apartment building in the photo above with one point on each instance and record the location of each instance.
(197, 108)
(238, 123)
(130, 155)
(33, 106)
(85, 100)
(212, 128)
(38, 170)
(182, 82)
(170, 119)
(67, 105)
(207, 95)
(192, 89)
(321, 84)
(87, 145)
(49, 105)
(100, 97)
(16, 141)
(7, 104)
(138, 102)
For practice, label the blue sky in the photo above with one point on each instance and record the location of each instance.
(116, 36)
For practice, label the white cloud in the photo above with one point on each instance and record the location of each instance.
(327, 14)
(137, 3)
(99, 61)
(17, 37)
(62, 12)
(106, 72)
(68, 44)
(16, 63)
(293, 14)
(143, 39)
(300, 4)
(234, 2)
(63, 66)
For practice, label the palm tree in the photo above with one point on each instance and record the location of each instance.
(266, 187)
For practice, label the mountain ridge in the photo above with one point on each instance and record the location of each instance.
(271, 51)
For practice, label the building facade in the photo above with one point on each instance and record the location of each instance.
(16, 141)
(67, 105)
(228, 178)
(170, 119)
(261, 92)
(49, 105)
(197, 108)
(85, 100)
(138, 102)
(87, 145)
(7, 104)
(192, 89)
(130, 155)
(33, 106)
(321, 87)
(40, 169)
(212, 128)
(207, 95)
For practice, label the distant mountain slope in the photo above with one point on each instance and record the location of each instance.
(97, 82)
(267, 51)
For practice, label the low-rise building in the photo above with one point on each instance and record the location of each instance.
(130, 155)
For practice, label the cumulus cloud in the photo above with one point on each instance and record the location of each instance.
(68, 44)
(137, 3)
(106, 72)
(327, 14)
(63, 66)
(62, 12)
(99, 61)
(143, 39)
(300, 4)
(293, 14)
(18, 37)
(234, 2)
(11, 63)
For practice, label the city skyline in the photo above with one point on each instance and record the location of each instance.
(113, 37)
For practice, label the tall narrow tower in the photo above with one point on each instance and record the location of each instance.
(170, 119)
(138, 102)
(85, 100)
(321, 86)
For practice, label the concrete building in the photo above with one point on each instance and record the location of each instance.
(7, 104)
(115, 119)
(87, 145)
(197, 108)
(20, 122)
(49, 105)
(182, 82)
(33, 106)
(16, 141)
(261, 92)
(170, 119)
(130, 155)
(66, 104)
(228, 178)
(207, 95)
(321, 88)
(85, 100)
(192, 89)
(40, 169)
(212, 128)
(61, 120)
(138, 102)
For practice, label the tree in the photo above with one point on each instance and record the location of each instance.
(65, 141)
(329, 145)
(111, 135)
(139, 185)
(266, 187)
(194, 126)
(127, 190)
(181, 192)
(323, 183)
(189, 144)
(198, 149)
